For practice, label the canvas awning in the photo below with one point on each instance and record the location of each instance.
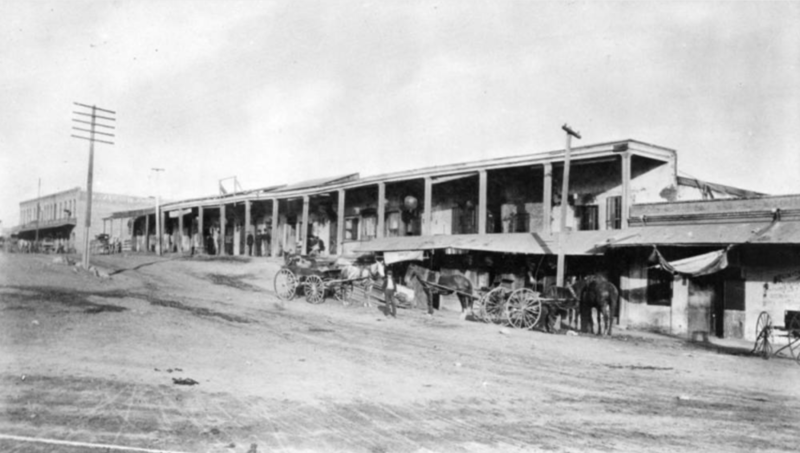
(47, 225)
(576, 243)
(695, 266)
(396, 257)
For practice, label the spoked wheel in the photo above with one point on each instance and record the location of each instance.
(343, 292)
(793, 334)
(493, 305)
(285, 284)
(314, 289)
(763, 346)
(524, 308)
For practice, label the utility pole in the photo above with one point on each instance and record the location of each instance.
(562, 231)
(94, 121)
(158, 210)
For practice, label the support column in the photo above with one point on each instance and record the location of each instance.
(180, 230)
(381, 210)
(201, 239)
(274, 238)
(248, 228)
(626, 188)
(340, 223)
(303, 230)
(132, 232)
(162, 222)
(221, 251)
(547, 200)
(147, 233)
(482, 207)
(427, 214)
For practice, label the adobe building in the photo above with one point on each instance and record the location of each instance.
(710, 267)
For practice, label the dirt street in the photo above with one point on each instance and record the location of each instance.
(86, 360)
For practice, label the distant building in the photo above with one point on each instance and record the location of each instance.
(58, 219)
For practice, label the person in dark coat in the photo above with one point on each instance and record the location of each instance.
(389, 288)
(249, 244)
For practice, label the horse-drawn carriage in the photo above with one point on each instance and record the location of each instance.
(317, 278)
(766, 333)
(502, 303)
(524, 307)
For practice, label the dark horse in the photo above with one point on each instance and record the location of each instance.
(436, 283)
(565, 307)
(597, 292)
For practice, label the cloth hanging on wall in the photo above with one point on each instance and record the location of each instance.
(695, 266)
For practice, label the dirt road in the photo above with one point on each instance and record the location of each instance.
(87, 360)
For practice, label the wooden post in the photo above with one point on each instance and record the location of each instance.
(381, 210)
(180, 230)
(274, 241)
(201, 239)
(427, 214)
(482, 197)
(340, 223)
(222, 251)
(562, 233)
(303, 234)
(147, 233)
(547, 200)
(626, 188)
(247, 227)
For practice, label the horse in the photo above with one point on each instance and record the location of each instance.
(566, 309)
(597, 292)
(362, 272)
(445, 285)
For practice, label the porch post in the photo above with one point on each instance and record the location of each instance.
(340, 223)
(381, 209)
(162, 223)
(547, 199)
(221, 251)
(482, 208)
(147, 233)
(247, 226)
(626, 188)
(304, 233)
(274, 239)
(201, 239)
(427, 215)
(180, 230)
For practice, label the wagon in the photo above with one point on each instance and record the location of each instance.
(523, 307)
(314, 278)
(766, 333)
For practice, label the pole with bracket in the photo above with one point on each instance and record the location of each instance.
(562, 230)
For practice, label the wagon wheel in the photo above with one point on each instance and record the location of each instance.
(314, 289)
(763, 346)
(285, 284)
(343, 293)
(524, 309)
(793, 337)
(493, 305)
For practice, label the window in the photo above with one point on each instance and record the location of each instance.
(659, 287)
(351, 229)
(588, 217)
(393, 224)
(369, 225)
(613, 213)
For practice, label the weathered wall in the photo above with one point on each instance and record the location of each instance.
(770, 289)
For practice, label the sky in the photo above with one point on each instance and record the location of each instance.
(276, 92)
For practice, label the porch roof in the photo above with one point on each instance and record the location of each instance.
(45, 225)
(709, 234)
(577, 243)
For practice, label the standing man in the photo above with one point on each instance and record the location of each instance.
(389, 288)
(249, 244)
